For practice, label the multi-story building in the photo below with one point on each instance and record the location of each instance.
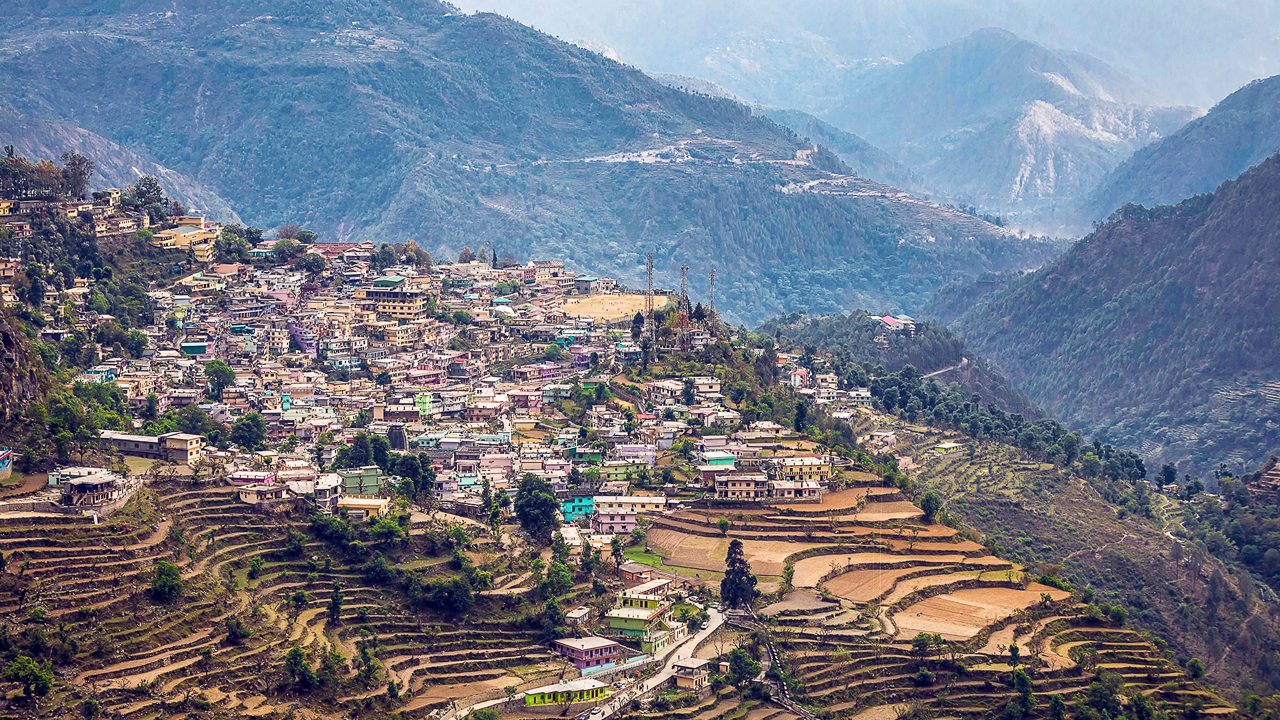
(392, 297)
(741, 487)
(589, 653)
(817, 469)
(365, 480)
(174, 447)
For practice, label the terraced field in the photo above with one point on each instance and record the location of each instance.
(725, 705)
(138, 658)
(1034, 513)
(869, 575)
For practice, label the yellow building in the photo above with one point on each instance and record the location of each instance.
(394, 297)
(198, 241)
(816, 469)
(692, 674)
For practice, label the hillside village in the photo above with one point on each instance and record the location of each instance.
(345, 478)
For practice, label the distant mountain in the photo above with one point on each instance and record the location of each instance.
(795, 54)
(115, 166)
(391, 119)
(1238, 133)
(1004, 123)
(1161, 330)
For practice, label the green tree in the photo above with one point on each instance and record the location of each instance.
(738, 588)
(220, 376)
(166, 581)
(615, 549)
(249, 431)
(36, 678)
(558, 579)
(311, 262)
(1195, 668)
(742, 668)
(536, 507)
(552, 619)
(147, 191)
(335, 602)
(930, 504)
(285, 250)
(298, 670)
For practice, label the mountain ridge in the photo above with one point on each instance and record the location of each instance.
(1238, 132)
(1158, 330)
(367, 122)
(1003, 122)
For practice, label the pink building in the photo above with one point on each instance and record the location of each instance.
(589, 652)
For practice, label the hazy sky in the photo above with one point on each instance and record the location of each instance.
(1182, 51)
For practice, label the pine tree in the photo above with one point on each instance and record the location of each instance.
(738, 589)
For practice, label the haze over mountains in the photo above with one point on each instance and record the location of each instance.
(388, 120)
(1019, 108)
(796, 54)
(1003, 123)
(1234, 135)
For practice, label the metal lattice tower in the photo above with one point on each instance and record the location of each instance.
(682, 313)
(684, 288)
(648, 299)
(713, 291)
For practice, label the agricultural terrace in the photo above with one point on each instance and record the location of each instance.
(880, 612)
(255, 586)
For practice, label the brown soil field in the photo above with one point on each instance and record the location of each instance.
(811, 569)
(862, 586)
(707, 553)
(962, 614)
(797, 600)
(609, 308)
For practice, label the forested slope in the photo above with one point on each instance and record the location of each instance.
(1237, 133)
(1160, 330)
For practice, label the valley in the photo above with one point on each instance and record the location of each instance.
(394, 359)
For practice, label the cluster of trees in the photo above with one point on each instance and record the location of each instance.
(452, 595)
(416, 474)
(405, 253)
(1239, 525)
(907, 394)
(44, 179)
(147, 195)
(859, 339)
(30, 656)
(299, 675)
(67, 422)
(235, 241)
